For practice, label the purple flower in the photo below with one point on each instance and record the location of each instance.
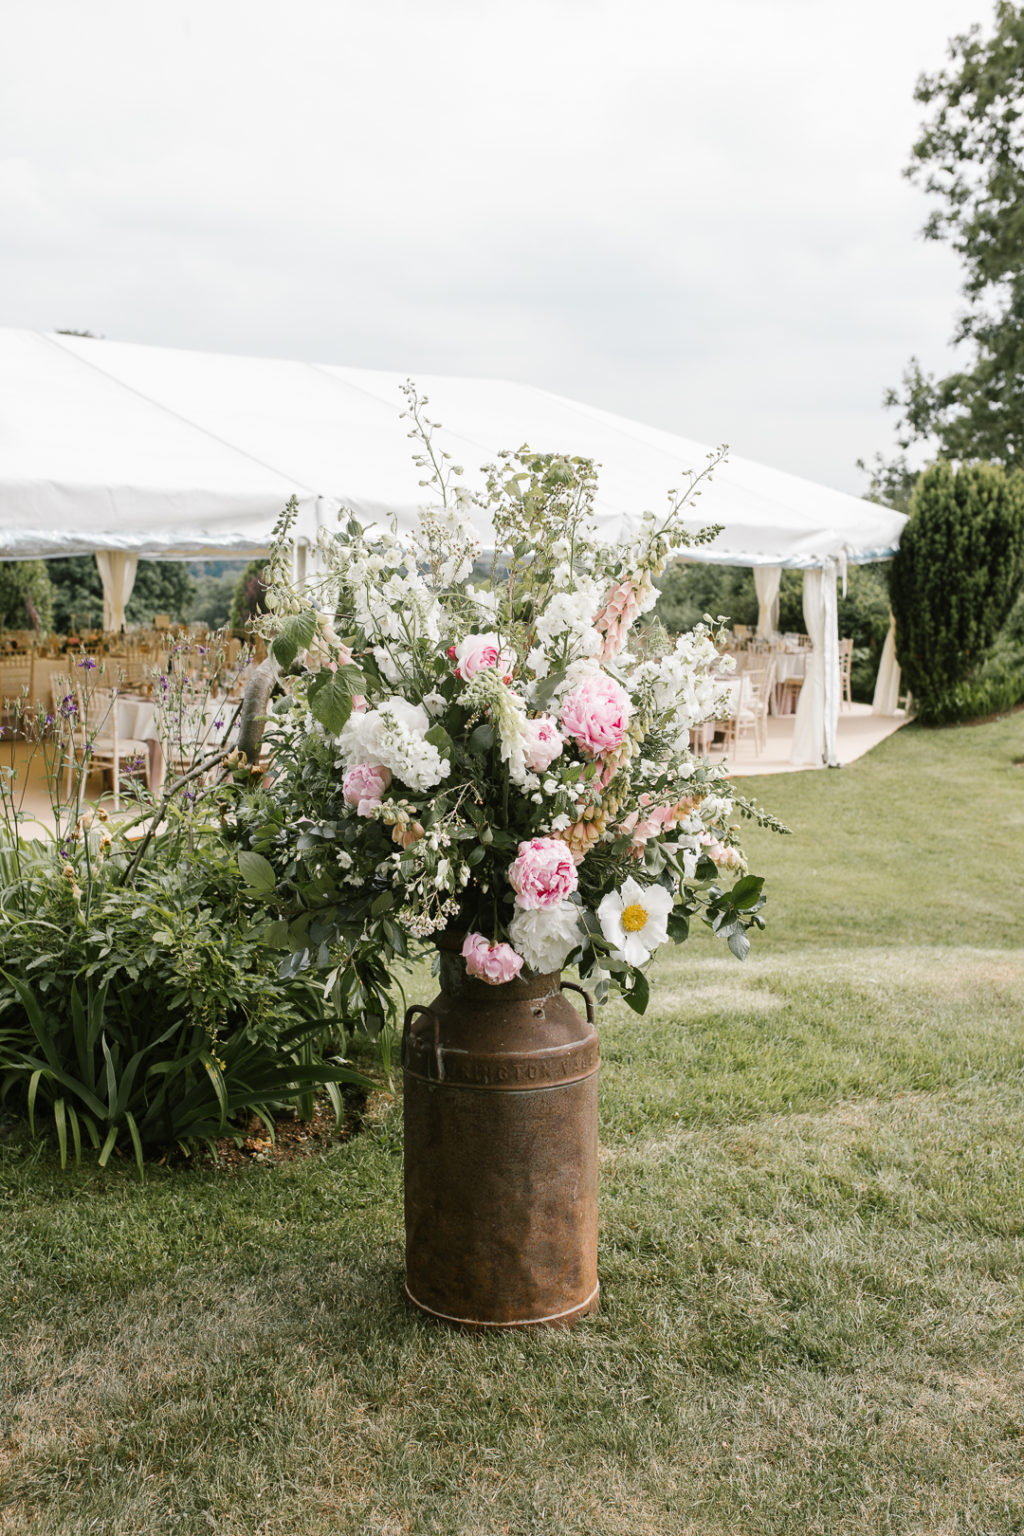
(49, 720)
(218, 725)
(88, 663)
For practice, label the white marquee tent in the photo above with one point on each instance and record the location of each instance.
(127, 451)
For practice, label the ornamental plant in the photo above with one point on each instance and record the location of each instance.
(954, 581)
(506, 757)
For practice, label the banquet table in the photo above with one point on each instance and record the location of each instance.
(701, 736)
(200, 730)
(789, 666)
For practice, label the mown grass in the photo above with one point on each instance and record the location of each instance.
(812, 1251)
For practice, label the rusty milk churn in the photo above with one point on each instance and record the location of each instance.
(500, 1151)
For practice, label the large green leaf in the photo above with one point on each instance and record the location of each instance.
(330, 696)
(257, 872)
(296, 634)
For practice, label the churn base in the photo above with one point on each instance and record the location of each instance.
(557, 1320)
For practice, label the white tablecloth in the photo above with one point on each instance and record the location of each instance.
(199, 729)
(789, 666)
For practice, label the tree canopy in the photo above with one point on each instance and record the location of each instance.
(26, 596)
(970, 157)
(160, 587)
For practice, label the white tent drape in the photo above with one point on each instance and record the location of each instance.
(766, 585)
(887, 684)
(817, 713)
(117, 573)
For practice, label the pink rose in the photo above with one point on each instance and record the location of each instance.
(476, 652)
(543, 874)
(363, 786)
(543, 743)
(493, 963)
(596, 714)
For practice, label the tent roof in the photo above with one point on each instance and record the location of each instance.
(108, 445)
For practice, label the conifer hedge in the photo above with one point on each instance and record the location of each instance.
(956, 577)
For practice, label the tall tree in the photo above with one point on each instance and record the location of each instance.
(970, 156)
(26, 596)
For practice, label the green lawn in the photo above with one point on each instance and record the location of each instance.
(812, 1251)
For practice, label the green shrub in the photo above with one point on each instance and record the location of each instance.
(146, 1015)
(249, 592)
(954, 583)
(140, 1002)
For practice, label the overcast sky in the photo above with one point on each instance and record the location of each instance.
(690, 213)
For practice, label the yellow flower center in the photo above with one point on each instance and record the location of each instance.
(634, 917)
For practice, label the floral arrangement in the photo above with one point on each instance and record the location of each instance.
(496, 747)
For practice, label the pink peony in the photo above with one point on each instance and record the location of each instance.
(543, 743)
(493, 963)
(596, 714)
(363, 786)
(543, 874)
(476, 652)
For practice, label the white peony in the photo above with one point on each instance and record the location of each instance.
(635, 920)
(545, 936)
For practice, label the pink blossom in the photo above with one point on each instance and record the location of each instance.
(406, 833)
(493, 963)
(723, 854)
(543, 874)
(596, 714)
(623, 603)
(363, 786)
(476, 652)
(543, 743)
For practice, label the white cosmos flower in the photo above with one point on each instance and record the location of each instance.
(635, 920)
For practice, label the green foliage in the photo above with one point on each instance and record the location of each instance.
(956, 579)
(690, 590)
(26, 595)
(161, 586)
(211, 603)
(150, 1014)
(250, 590)
(139, 1002)
(77, 593)
(970, 156)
